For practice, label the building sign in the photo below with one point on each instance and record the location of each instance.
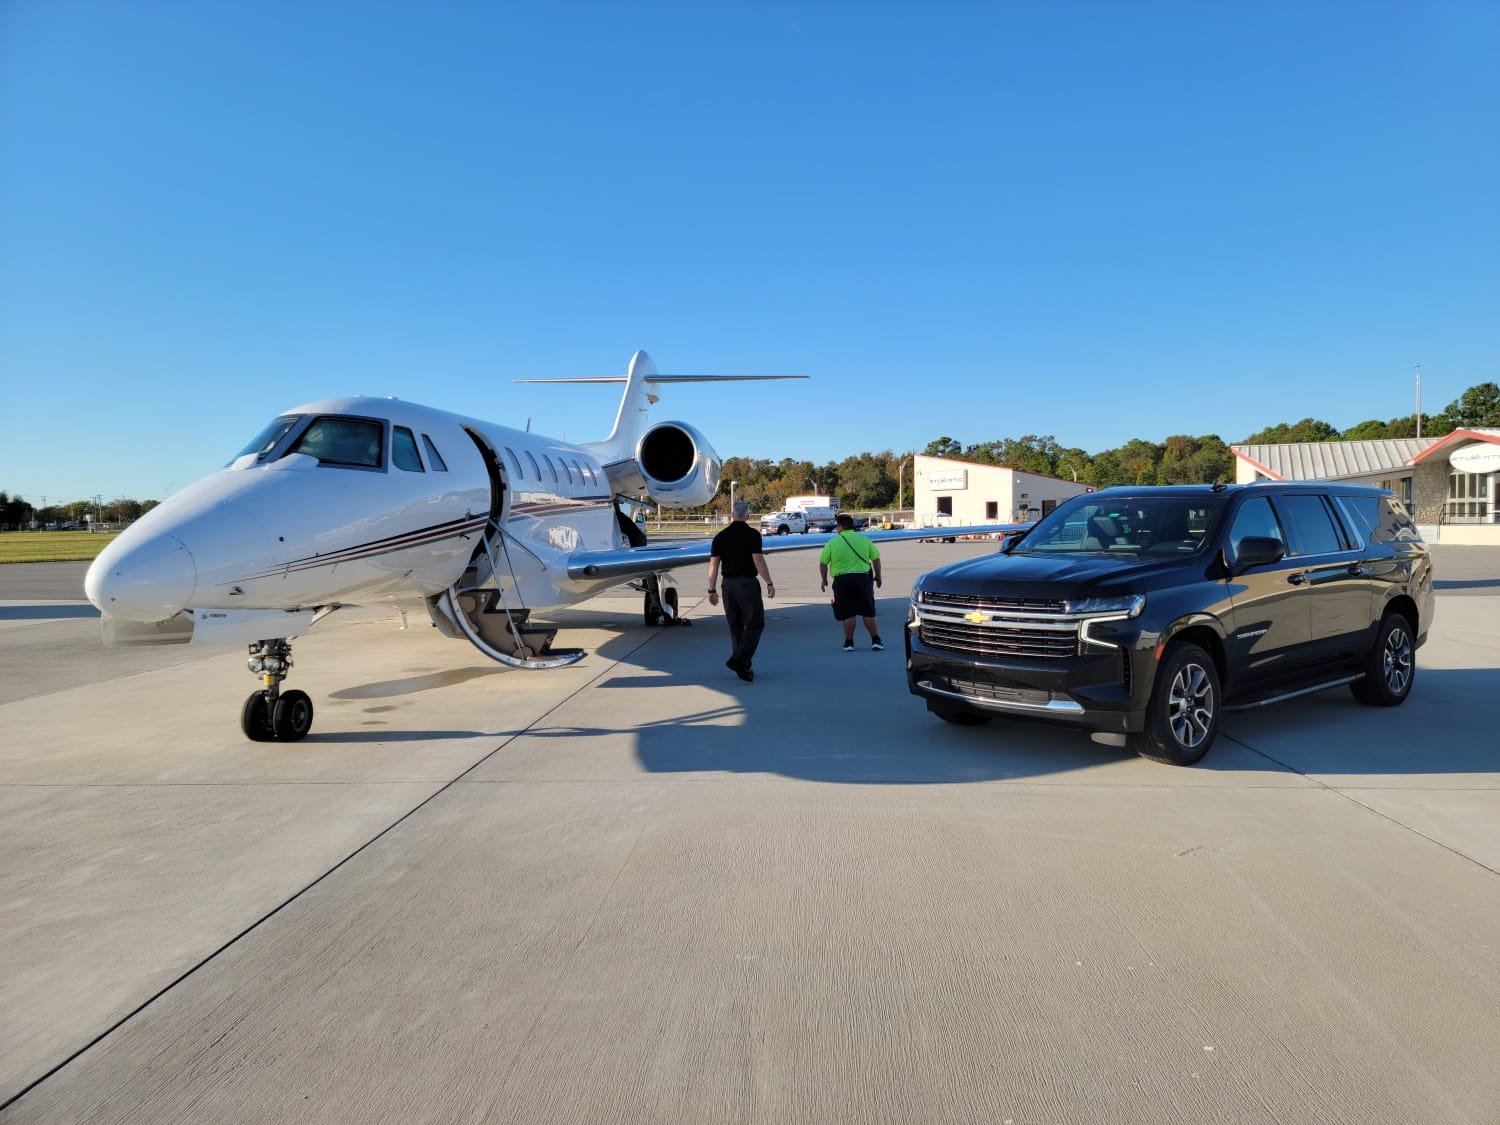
(1481, 457)
(951, 480)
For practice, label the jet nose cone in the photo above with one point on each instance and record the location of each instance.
(149, 582)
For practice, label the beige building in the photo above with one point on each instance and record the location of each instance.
(1451, 483)
(945, 491)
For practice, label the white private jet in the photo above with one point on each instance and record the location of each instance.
(378, 501)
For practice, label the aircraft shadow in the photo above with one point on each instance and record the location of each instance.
(821, 715)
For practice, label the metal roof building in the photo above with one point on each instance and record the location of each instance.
(1328, 460)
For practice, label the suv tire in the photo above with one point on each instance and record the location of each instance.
(1390, 668)
(1183, 715)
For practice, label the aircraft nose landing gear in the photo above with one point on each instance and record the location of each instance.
(273, 715)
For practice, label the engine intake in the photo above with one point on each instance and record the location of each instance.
(678, 466)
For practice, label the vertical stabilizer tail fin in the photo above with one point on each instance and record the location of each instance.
(640, 379)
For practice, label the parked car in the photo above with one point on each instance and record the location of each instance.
(1142, 614)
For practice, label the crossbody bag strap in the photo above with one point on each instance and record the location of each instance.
(850, 544)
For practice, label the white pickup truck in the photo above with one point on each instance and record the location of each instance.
(783, 523)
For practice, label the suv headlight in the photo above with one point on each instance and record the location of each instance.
(1125, 606)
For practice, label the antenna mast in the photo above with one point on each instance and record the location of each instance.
(1419, 399)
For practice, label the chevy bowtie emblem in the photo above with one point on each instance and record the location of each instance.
(977, 617)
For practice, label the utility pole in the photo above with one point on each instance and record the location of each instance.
(1419, 399)
(901, 485)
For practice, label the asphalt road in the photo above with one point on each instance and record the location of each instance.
(639, 889)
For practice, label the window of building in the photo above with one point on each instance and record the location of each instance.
(404, 453)
(992, 509)
(434, 458)
(1468, 498)
(945, 505)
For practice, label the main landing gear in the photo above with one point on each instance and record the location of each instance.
(273, 715)
(661, 602)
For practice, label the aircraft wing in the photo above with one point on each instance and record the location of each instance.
(637, 562)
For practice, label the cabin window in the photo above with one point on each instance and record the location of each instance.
(434, 458)
(404, 453)
(515, 462)
(342, 441)
(536, 469)
(551, 468)
(567, 472)
(582, 479)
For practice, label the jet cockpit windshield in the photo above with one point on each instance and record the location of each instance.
(350, 442)
(345, 442)
(269, 438)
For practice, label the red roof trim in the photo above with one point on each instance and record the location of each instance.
(1450, 439)
(1258, 466)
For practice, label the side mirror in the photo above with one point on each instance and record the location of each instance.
(1258, 550)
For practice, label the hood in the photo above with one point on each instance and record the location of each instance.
(1048, 576)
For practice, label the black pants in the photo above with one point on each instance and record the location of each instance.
(746, 615)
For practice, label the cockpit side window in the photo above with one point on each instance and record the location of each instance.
(404, 451)
(270, 437)
(434, 458)
(342, 441)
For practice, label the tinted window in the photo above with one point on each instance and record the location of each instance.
(404, 451)
(515, 462)
(342, 441)
(1382, 518)
(434, 458)
(1257, 518)
(1311, 525)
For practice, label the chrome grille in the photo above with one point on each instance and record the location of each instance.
(1010, 627)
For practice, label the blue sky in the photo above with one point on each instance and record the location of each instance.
(1093, 220)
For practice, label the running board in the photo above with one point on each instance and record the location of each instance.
(1283, 697)
(507, 641)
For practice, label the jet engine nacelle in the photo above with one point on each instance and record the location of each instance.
(678, 467)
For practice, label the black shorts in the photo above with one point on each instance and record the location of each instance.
(854, 595)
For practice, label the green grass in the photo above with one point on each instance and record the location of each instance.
(51, 546)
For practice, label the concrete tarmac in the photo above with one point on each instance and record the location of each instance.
(639, 890)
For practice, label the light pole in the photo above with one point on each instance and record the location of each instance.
(901, 485)
(731, 497)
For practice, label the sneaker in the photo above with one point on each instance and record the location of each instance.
(848, 646)
(877, 644)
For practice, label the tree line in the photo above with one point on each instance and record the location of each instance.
(876, 481)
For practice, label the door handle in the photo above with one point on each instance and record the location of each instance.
(1296, 579)
(1356, 570)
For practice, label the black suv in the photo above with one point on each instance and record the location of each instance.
(1142, 614)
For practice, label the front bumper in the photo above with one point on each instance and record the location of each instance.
(1090, 691)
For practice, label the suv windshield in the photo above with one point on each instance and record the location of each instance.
(1144, 524)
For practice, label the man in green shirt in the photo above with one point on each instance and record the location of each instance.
(854, 562)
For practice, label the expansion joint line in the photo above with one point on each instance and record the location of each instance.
(255, 925)
(1336, 791)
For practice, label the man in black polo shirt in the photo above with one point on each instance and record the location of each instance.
(738, 550)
